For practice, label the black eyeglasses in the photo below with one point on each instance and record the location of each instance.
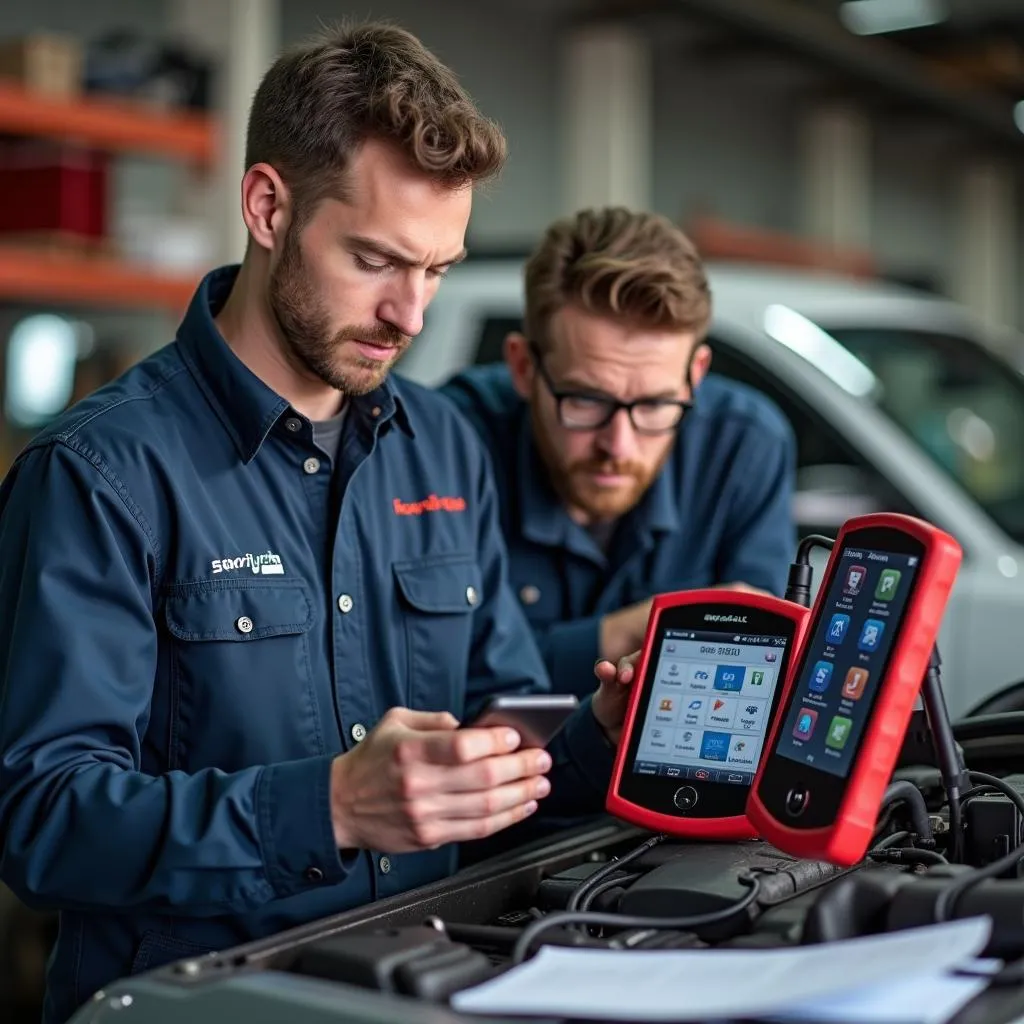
(578, 410)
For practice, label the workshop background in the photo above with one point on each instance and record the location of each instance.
(877, 139)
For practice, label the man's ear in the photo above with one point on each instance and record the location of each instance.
(519, 363)
(700, 363)
(266, 206)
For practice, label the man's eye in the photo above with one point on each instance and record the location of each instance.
(370, 268)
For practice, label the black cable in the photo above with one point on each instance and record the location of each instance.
(889, 841)
(594, 880)
(1000, 785)
(531, 932)
(906, 855)
(945, 904)
(976, 791)
(801, 573)
(954, 775)
(608, 883)
(908, 793)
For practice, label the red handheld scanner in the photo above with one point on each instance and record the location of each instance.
(706, 689)
(834, 745)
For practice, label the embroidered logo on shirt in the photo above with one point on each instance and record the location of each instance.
(267, 564)
(430, 504)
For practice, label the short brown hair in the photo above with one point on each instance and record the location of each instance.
(320, 101)
(636, 268)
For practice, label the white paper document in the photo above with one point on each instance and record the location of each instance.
(922, 999)
(681, 985)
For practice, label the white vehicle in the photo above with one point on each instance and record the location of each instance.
(899, 403)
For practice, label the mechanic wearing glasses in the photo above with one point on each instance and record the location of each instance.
(623, 470)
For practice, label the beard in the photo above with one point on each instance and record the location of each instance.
(573, 480)
(311, 345)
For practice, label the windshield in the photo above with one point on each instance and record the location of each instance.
(964, 406)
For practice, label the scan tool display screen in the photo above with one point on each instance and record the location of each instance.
(710, 706)
(846, 658)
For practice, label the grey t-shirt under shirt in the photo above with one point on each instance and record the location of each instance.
(327, 434)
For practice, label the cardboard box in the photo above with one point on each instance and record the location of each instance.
(43, 63)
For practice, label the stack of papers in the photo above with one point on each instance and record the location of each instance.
(910, 977)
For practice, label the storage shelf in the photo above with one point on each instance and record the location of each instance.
(112, 125)
(75, 279)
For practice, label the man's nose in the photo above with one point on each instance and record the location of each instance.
(404, 305)
(617, 438)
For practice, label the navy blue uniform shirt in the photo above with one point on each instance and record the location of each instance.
(198, 612)
(720, 511)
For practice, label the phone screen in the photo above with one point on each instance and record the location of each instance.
(710, 706)
(846, 658)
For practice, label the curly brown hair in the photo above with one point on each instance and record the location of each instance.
(321, 100)
(636, 268)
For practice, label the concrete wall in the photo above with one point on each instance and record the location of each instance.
(507, 59)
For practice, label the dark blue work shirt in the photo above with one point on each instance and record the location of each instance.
(198, 612)
(720, 511)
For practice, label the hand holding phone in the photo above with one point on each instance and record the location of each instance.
(536, 717)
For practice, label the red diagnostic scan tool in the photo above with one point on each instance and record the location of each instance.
(850, 696)
(707, 688)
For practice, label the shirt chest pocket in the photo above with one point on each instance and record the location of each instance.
(437, 598)
(242, 689)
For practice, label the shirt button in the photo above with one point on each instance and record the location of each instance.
(345, 604)
(313, 875)
(293, 424)
(472, 597)
(359, 732)
(243, 624)
(529, 594)
(375, 411)
(311, 465)
(385, 865)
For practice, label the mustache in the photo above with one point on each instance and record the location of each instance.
(384, 335)
(607, 466)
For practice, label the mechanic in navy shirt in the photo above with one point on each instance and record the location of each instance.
(248, 589)
(623, 470)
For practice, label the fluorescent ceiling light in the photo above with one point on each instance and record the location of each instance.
(873, 17)
(807, 339)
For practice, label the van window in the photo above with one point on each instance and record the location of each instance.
(960, 403)
(834, 482)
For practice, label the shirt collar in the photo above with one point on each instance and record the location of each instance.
(246, 406)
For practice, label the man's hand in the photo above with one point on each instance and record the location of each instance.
(623, 631)
(609, 703)
(418, 781)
